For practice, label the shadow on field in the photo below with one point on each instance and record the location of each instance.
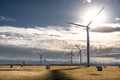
(57, 75)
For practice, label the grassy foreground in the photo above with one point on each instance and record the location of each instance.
(58, 73)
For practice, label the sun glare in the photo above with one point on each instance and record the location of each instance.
(90, 14)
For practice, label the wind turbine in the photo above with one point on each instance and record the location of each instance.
(41, 56)
(87, 30)
(71, 55)
(80, 53)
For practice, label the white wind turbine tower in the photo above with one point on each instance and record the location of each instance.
(71, 55)
(87, 30)
(80, 53)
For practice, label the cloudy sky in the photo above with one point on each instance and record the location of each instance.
(29, 27)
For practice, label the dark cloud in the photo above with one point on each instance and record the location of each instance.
(16, 52)
(103, 49)
(22, 53)
(105, 29)
(109, 52)
(116, 56)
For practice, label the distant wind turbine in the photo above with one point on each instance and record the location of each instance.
(80, 53)
(87, 30)
(41, 56)
(71, 55)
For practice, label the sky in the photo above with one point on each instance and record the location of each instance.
(29, 27)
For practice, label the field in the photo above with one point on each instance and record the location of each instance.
(59, 73)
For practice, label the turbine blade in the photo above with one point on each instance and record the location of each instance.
(76, 24)
(95, 16)
(100, 10)
(72, 52)
(89, 23)
(78, 47)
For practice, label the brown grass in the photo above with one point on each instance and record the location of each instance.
(21, 73)
(91, 73)
(77, 73)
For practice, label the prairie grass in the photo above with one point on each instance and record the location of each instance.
(91, 73)
(22, 73)
(73, 72)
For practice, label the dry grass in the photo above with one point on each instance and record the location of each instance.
(76, 73)
(91, 73)
(21, 73)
